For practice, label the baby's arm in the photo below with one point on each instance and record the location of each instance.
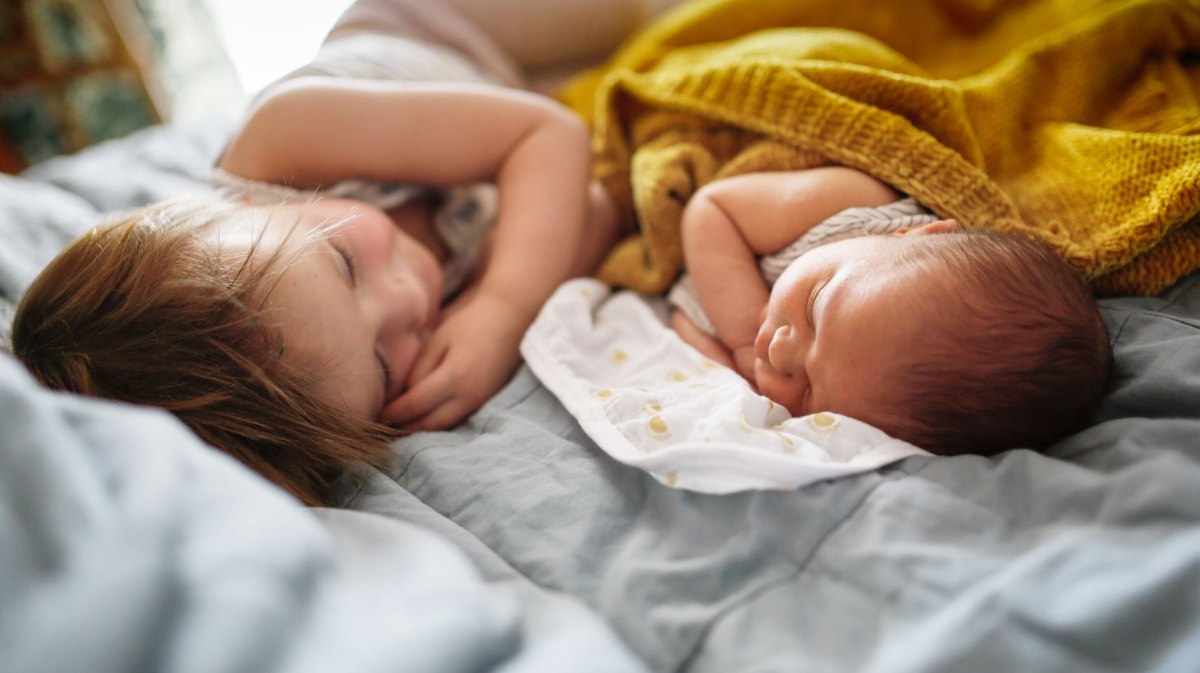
(700, 340)
(316, 131)
(729, 223)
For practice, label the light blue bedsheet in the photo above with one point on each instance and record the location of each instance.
(513, 544)
(128, 545)
(1084, 558)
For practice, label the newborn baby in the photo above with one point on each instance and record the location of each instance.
(958, 341)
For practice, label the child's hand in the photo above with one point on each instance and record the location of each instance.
(469, 357)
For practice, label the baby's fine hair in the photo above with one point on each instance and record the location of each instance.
(148, 309)
(1019, 355)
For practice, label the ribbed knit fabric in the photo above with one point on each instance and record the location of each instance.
(1076, 121)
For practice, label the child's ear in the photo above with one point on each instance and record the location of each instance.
(939, 227)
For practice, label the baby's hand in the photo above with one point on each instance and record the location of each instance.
(469, 357)
(743, 359)
(700, 340)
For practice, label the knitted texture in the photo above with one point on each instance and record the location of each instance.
(1075, 121)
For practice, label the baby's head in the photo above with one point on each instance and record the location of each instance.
(156, 308)
(956, 341)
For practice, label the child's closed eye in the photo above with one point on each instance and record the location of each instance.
(347, 263)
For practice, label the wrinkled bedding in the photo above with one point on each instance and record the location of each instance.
(126, 544)
(514, 543)
(1083, 558)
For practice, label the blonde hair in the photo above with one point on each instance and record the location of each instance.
(1018, 357)
(147, 309)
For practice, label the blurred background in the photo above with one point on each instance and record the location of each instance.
(266, 38)
(77, 72)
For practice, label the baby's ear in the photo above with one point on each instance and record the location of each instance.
(939, 227)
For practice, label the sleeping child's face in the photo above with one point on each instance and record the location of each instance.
(355, 308)
(839, 323)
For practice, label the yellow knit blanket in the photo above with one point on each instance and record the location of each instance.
(1076, 121)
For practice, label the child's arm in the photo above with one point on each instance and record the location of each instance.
(730, 222)
(318, 131)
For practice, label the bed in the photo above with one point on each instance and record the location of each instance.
(126, 544)
(513, 543)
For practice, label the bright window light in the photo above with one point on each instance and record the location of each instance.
(266, 39)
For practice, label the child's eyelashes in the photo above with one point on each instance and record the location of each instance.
(348, 261)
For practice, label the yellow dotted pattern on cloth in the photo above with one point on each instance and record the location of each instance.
(604, 394)
(823, 420)
(659, 427)
(822, 423)
(619, 357)
(678, 377)
(788, 446)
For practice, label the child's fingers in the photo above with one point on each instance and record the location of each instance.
(444, 416)
(430, 358)
(420, 399)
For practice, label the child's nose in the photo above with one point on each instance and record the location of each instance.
(404, 310)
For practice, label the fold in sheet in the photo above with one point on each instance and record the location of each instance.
(651, 401)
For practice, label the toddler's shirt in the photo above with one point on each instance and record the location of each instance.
(385, 41)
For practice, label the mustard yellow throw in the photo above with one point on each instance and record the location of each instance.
(1072, 120)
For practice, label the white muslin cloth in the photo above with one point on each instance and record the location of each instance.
(651, 401)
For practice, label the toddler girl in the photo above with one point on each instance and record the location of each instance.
(389, 220)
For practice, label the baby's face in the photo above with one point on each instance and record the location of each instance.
(839, 321)
(354, 309)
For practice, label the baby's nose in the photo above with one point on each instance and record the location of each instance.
(769, 341)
